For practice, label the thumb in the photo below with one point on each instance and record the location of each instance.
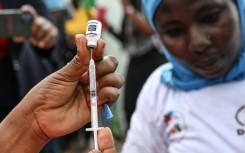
(106, 141)
(80, 62)
(29, 8)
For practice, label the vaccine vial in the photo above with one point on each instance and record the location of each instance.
(93, 33)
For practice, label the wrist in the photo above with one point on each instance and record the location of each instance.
(20, 132)
(130, 10)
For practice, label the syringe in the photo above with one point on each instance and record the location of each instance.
(93, 34)
(93, 102)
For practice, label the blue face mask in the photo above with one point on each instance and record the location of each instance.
(55, 4)
(180, 77)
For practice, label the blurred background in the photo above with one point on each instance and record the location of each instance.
(128, 37)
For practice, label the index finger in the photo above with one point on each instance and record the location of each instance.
(98, 52)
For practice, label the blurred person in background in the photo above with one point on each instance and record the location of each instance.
(61, 11)
(25, 61)
(139, 41)
(194, 103)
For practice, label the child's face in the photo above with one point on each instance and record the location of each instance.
(204, 35)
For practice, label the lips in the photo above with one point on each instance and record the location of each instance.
(209, 64)
(205, 63)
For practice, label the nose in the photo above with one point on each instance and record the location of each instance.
(198, 40)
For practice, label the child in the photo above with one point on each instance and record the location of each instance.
(194, 103)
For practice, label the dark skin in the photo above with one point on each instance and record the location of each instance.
(58, 104)
(203, 35)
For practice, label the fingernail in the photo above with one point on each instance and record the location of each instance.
(89, 104)
(104, 45)
(41, 44)
(95, 151)
(84, 78)
(77, 42)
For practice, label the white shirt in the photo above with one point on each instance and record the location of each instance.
(208, 120)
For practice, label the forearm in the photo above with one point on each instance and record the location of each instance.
(17, 132)
(139, 20)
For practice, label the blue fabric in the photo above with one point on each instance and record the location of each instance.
(55, 4)
(180, 77)
(149, 7)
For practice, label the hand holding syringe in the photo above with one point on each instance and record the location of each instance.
(93, 35)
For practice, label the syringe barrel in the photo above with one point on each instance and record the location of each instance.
(92, 78)
(94, 115)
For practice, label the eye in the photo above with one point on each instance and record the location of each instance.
(212, 17)
(174, 32)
